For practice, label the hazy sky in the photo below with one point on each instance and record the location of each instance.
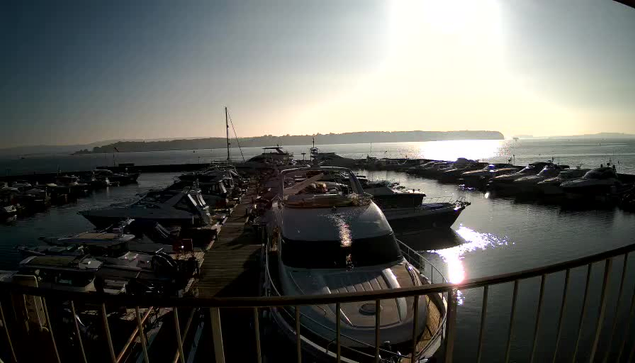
(83, 71)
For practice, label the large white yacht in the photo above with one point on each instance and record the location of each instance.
(326, 237)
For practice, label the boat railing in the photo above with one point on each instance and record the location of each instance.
(449, 199)
(602, 330)
(290, 314)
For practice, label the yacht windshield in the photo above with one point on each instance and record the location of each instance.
(600, 174)
(321, 188)
(335, 254)
(548, 172)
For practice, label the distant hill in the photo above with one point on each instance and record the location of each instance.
(269, 140)
(50, 149)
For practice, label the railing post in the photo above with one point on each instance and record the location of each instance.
(338, 319)
(538, 312)
(257, 332)
(6, 330)
(142, 336)
(628, 327)
(617, 307)
(482, 327)
(111, 349)
(78, 332)
(50, 324)
(450, 327)
(598, 328)
(584, 305)
(298, 335)
(377, 325)
(415, 326)
(511, 322)
(179, 339)
(563, 306)
(217, 335)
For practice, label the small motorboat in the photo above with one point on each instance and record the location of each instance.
(438, 213)
(388, 194)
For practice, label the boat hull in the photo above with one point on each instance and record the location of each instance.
(408, 220)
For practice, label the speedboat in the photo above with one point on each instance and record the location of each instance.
(527, 184)
(599, 182)
(454, 174)
(184, 208)
(387, 194)
(438, 213)
(506, 182)
(213, 191)
(551, 186)
(70, 185)
(430, 168)
(119, 178)
(479, 178)
(327, 237)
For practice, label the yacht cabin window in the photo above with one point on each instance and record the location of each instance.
(336, 254)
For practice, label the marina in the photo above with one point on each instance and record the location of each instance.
(426, 181)
(233, 261)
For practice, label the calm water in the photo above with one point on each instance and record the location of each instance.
(493, 236)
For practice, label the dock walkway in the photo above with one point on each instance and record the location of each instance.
(231, 267)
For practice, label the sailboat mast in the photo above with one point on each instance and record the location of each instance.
(227, 129)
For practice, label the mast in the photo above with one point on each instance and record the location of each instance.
(227, 129)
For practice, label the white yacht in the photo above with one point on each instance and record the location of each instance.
(527, 184)
(327, 237)
(476, 178)
(184, 208)
(597, 182)
(506, 182)
(274, 155)
(551, 186)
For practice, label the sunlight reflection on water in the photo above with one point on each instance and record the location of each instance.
(453, 256)
(452, 150)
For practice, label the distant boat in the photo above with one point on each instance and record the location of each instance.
(515, 139)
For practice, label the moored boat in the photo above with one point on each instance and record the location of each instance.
(599, 182)
(325, 237)
(184, 208)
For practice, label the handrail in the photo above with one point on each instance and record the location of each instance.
(250, 302)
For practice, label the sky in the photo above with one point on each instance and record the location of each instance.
(75, 72)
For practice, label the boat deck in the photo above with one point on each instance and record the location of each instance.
(231, 267)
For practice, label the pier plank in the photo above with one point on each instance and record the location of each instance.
(231, 267)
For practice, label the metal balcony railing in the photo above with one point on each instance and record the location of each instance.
(619, 350)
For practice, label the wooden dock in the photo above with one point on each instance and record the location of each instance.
(232, 265)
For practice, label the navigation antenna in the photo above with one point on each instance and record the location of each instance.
(228, 116)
